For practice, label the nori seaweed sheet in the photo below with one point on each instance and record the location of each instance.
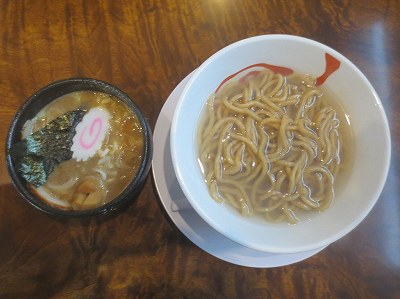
(36, 156)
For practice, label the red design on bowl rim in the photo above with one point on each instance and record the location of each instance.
(331, 65)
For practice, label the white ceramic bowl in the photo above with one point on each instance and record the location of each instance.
(369, 125)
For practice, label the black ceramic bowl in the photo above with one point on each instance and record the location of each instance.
(43, 97)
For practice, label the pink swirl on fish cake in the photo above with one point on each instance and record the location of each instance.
(90, 134)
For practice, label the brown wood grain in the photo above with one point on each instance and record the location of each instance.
(146, 48)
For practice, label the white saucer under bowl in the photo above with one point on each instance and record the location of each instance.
(187, 219)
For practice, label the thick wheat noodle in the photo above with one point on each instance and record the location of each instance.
(242, 192)
(288, 102)
(283, 96)
(306, 132)
(274, 107)
(307, 200)
(271, 121)
(210, 119)
(238, 151)
(296, 173)
(237, 97)
(322, 114)
(217, 127)
(278, 85)
(239, 110)
(282, 132)
(270, 149)
(334, 167)
(267, 85)
(261, 179)
(272, 205)
(303, 102)
(246, 141)
(306, 146)
(249, 174)
(325, 129)
(217, 163)
(290, 215)
(262, 152)
(251, 133)
(236, 166)
(267, 113)
(250, 104)
(214, 192)
(284, 163)
(228, 154)
(310, 142)
(210, 177)
(252, 92)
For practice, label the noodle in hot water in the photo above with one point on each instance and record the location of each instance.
(273, 146)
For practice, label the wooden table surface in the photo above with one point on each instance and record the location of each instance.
(146, 48)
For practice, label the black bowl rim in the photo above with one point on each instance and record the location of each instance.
(128, 194)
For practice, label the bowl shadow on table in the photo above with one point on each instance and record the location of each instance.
(182, 206)
(180, 238)
(173, 185)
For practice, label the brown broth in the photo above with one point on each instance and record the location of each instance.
(81, 185)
